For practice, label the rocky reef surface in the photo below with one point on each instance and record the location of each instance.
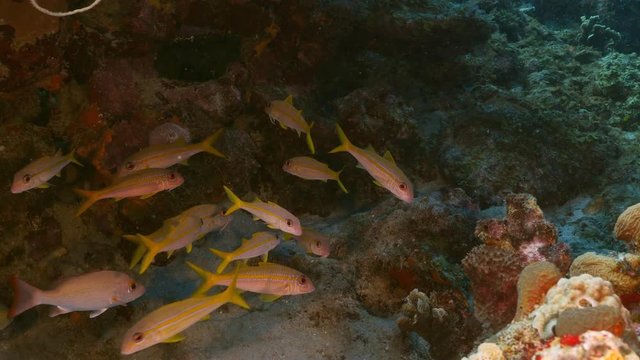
(516, 122)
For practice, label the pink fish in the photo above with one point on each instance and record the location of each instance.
(311, 169)
(144, 183)
(288, 116)
(313, 242)
(383, 169)
(95, 292)
(37, 173)
(259, 245)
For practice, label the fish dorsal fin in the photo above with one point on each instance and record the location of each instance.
(272, 203)
(58, 153)
(289, 100)
(370, 148)
(244, 241)
(387, 155)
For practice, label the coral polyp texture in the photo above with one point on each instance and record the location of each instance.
(622, 270)
(510, 244)
(592, 345)
(627, 226)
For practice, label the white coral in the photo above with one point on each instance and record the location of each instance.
(576, 292)
(593, 345)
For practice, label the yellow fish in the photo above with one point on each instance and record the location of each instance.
(311, 169)
(271, 213)
(163, 156)
(382, 168)
(269, 279)
(166, 323)
(288, 116)
(37, 173)
(259, 245)
(145, 184)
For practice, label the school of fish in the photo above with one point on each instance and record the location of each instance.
(147, 173)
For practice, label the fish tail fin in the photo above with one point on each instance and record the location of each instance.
(340, 184)
(153, 249)
(25, 297)
(137, 255)
(209, 279)
(309, 141)
(207, 144)
(226, 259)
(90, 196)
(231, 294)
(71, 156)
(237, 203)
(345, 144)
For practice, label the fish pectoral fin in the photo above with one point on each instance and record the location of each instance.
(174, 339)
(189, 248)
(58, 310)
(58, 175)
(283, 126)
(272, 226)
(265, 257)
(185, 163)
(205, 318)
(378, 183)
(387, 155)
(269, 297)
(147, 196)
(289, 100)
(97, 313)
(44, 185)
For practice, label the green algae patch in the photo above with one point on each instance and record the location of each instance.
(199, 58)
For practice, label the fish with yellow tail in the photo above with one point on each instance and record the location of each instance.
(177, 236)
(165, 324)
(95, 292)
(383, 169)
(288, 116)
(143, 184)
(313, 242)
(162, 156)
(205, 212)
(311, 169)
(269, 279)
(275, 216)
(259, 245)
(37, 173)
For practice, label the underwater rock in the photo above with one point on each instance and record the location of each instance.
(421, 314)
(115, 89)
(623, 271)
(509, 245)
(596, 35)
(221, 101)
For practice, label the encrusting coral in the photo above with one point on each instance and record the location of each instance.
(622, 271)
(510, 244)
(486, 351)
(589, 345)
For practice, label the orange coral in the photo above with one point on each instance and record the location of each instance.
(621, 271)
(534, 282)
(627, 226)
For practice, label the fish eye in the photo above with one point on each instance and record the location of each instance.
(302, 280)
(132, 286)
(137, 337)
(288, 163)
(289, 222)
(318, 243)
(172, 176)
(130, 166)
(402, 186)
(26, 178)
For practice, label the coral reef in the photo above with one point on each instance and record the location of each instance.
(509, 244)
(533, 283)
(486, 351)
(588, 345)
(627, 226)
(621, 271)
(597, 35)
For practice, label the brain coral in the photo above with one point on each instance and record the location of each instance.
(627, 226)
(621, 271)
(592, 345)
(534, 282)
(581, 291)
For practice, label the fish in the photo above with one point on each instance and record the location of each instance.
(163, 156)
(164, 324)
(95, 292)
(37, 173)
(259, 245)
(313, 242)
(275, 216)
(269, 279)
(169, 133)
(311, 169)
(288, 116)
(383, 169)
(144, 183)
